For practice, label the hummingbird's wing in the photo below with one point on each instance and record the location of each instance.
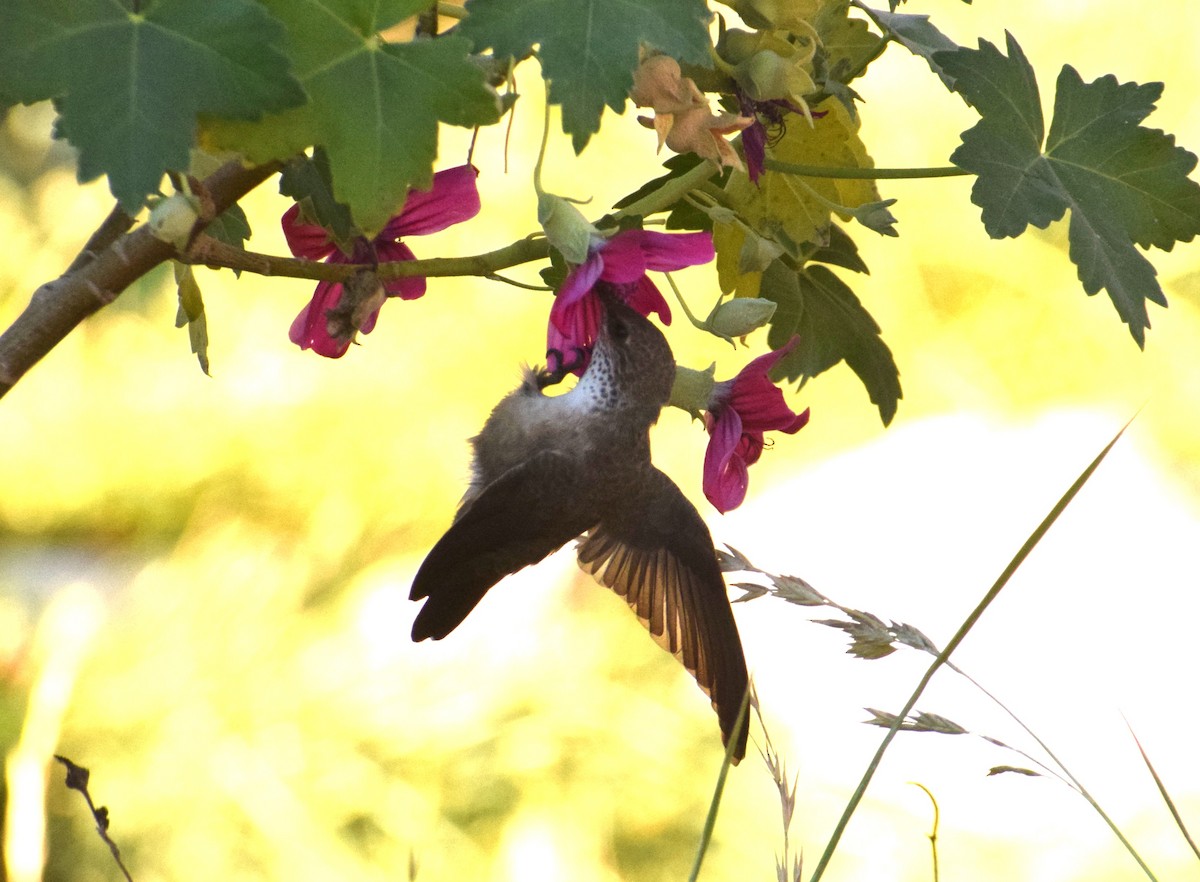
(657, 553)
(515, 521)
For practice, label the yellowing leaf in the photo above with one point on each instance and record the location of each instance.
(732, 275)
(791, 209)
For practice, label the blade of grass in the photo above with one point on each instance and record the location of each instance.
(710, 820)
(965, 628)
(1162, 789)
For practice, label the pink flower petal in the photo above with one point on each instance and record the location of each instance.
(310, 328)
(752, 404)
(674, 251)
(575, 288)
(306, 240)
(407, 288)
(759, 401)
(452, 199)
(725, 476)
(576, 328)
(630, 253)
(622, 258)
(646, 298)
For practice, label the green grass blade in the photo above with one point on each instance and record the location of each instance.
(1162, 789)
(1034, 538)
(711, 820)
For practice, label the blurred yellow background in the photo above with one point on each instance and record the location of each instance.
(203, 582)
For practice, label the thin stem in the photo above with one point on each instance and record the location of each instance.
(683, 303)
(821, 200)
(496, 277)
(210, 252)
(537, 167)
(1075, 782)
(670, 192)
(116, 225)
(870, 174)
(933, 833)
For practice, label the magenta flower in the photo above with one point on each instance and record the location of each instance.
(739, 412)
(618, 265)
(452, 199)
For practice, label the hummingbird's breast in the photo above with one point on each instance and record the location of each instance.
(588, 424)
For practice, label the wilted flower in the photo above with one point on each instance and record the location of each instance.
(682, 117)
(452, 199)
(619, 265)
(739, 412)
(659, 84)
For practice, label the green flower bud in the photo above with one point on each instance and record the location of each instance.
(740, 316)
(736, 45)
(767, 75)
(565, 226)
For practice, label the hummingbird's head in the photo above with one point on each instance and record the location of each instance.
(631, 363)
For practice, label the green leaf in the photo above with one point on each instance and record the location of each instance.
(918, 35)
(847, 46)
(556, 273)
(231, 227)
(309, 181)
(589, 48)
(191, 313)
(1123, 183)
(793, 209)
(129, 85)
(373, 106)
(840, 250)
(833, 326)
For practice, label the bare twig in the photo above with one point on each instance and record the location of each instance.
(77, 779)
(110, 262)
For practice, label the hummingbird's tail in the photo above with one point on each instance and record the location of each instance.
(657, 553)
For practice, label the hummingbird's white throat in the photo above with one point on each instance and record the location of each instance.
(597, 388)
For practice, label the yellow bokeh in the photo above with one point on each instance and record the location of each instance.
(204, 581)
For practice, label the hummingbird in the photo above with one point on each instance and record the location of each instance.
(550, 469)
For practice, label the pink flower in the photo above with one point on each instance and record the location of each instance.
(452, 199)
(619, 265)
(739, 412)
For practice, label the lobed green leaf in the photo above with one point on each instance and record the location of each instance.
(129, 86)
(1123, 183)
(374, 106)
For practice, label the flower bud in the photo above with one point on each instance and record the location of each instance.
(173, 219)
(740, 316)
(875, 216)
(768, 76)
(736, 45)
(565, 226)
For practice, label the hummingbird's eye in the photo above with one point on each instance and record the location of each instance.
(619, 330)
